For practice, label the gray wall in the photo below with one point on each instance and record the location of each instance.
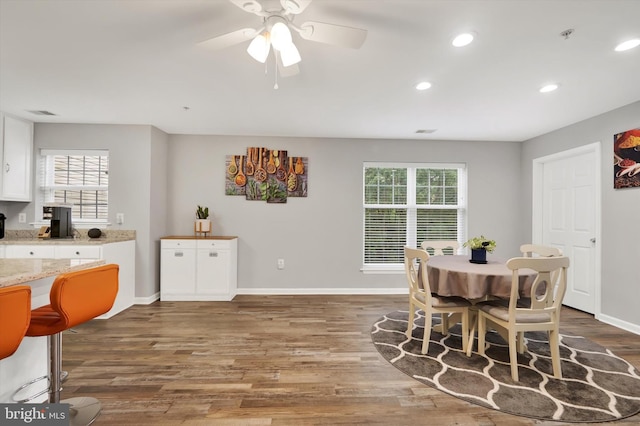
(320, 237)
(132, 149)
(620, 245)
(158, 179)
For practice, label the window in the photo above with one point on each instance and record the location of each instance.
(405, 204)
(79, 178)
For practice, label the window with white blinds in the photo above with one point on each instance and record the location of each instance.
(79, 178)
(407, 203)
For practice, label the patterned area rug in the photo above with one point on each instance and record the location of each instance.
(597, 386)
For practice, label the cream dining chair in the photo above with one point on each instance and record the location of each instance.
(534, 250)
(439, 246)
(421, 297)
(542, 315)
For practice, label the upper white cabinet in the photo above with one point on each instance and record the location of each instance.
(16, 153)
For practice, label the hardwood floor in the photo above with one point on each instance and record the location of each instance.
(271, 360)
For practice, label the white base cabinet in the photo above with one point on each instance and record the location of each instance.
(122, 253)
(198, 268)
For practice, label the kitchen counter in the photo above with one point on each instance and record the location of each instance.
(30, 237)
(20, 271)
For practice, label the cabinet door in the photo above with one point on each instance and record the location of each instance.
(177, 271)
(213, 271)
(17, 148)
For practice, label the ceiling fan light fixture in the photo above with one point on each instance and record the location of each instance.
(259, 47)
(290, 55)
(280, 36)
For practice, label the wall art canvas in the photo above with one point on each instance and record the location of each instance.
(626, 159)
(264, 174)
(235, 180)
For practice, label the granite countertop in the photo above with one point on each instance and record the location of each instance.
(20, 271)
(30, 237)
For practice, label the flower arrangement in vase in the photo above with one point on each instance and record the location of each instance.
(202, 224)
(479, 247)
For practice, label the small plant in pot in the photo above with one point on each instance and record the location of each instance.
(479, 247)
(203, 224)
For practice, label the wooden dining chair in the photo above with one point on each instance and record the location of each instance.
(420, 296)
(438, 246)
(542, 315)
(537, 250)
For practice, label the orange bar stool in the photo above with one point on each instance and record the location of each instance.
(15, 313)
(76, 297)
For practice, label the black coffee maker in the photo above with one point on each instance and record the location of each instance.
(2, 219)
(60, 216)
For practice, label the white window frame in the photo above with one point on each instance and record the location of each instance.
(40, 200)
(412, 208)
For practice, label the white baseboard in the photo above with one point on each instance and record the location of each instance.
(616, 322)
(147, 300)
(293, 291)
(325, 291)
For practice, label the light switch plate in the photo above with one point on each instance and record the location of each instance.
(119, 218)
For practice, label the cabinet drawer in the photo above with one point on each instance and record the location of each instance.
(178, 244)
(78, 252)
(34, 252)
(217, 244)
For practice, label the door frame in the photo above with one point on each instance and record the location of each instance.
(537, 207)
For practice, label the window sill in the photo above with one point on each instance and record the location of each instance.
(76, 225)
(382, 269)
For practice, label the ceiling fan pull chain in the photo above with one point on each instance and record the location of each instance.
(275, 86)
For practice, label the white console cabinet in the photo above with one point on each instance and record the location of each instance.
(198, 268)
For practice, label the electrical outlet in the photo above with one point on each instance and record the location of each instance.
(22, 218)
(280, 263)
(119, 218)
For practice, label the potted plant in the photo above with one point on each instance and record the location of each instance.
(479, 247)
(202, 224)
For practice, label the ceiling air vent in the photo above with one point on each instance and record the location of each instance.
(40, 112)
(426, 131)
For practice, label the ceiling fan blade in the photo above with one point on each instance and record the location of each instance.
(294, 7)
(251, 6)
(333, 34)
(229, 39)
(289, 71)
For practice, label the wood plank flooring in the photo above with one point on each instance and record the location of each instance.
(271, 360)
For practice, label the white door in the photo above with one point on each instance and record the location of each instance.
(566, 215)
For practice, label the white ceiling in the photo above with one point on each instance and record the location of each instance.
(138, 62)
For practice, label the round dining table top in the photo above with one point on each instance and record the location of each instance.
(457, 276)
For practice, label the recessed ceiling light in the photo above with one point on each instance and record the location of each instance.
(548, 88)
(423, 85)
(462, 39)
(629, 44)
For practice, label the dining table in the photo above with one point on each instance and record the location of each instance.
(456, 275)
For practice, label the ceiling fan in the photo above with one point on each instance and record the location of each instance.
(275, 31)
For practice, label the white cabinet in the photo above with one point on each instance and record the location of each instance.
(199, 268)
(16, 153)
(122, 253)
